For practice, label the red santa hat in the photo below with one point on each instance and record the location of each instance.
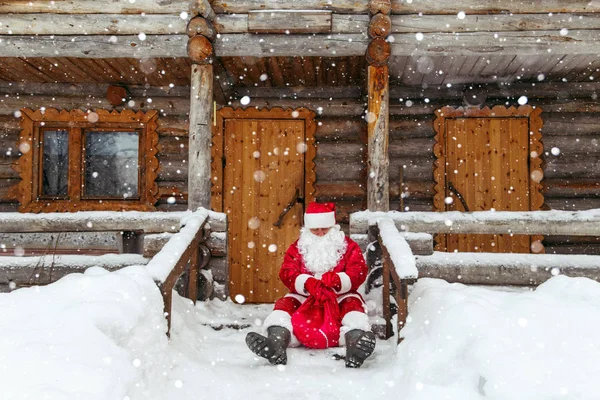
(319, 215)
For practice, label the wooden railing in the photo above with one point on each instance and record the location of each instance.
(399, 270)
(175, 266)
(477, 268)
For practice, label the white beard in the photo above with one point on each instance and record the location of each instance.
(322, 253)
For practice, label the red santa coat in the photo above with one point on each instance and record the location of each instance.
(311, 324)
(351, 269)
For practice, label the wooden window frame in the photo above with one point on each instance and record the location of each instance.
(76, 122)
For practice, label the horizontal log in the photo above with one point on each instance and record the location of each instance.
(294, 45)
(588, 249)
(92, 24)
(420, 243)
(572, 167)
(583, 223)
(331, 191)
(567, 145)
(216, 243)
(27, 271)
(488, 43)
(301, 92)
(90, 221)
(289, 21)
(172, 167)
(94, 7)
(89, 89)
(345, 152)
(493, 22)
(562, 239)
(95, 46)
(6, 170)
(170, 105)
(406, 44)
(571, 188)
(340, 130)
(413, 169)
(573, 204)
(505, 269)
(323, 108)
(49, 242)
(418, 107)
(405, 7)
(412, 205)
(536, 90)
(412, 127)
(563, 123)
(173, 145)
(331, 170)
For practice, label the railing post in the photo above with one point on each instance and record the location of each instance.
(387, 311)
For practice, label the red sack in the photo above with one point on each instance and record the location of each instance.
(316, 324)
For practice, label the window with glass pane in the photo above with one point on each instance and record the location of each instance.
(55, 163)
(111, 164)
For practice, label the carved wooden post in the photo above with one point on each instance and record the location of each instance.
(378, 53)
(200, 51)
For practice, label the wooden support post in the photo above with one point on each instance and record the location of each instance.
(378, 109)
(200, 51)
(378, 198)
(200, 136)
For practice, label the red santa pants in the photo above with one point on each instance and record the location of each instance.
(352, 311)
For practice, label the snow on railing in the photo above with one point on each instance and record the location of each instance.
(400, 253)
(552, 222)
(399, 265)
(167, 258)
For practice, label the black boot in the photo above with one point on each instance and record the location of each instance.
(272, 347)
(359, 346)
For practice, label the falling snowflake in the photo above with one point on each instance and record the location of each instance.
(245, 100)
(240, 299)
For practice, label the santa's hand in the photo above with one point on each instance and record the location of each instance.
(314, 287)
(332, 279)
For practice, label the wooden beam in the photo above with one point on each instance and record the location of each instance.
(94, 89)
(505, 269)
(474, 43)
(413, 23)
(324, 108)
(576, 223)
(301, 92)
(92, 24)
(94, 7)
(200, 136)
(292, 21)
(95, 46)
(378, 191)
(272, 45)
(169, 105)
(528, 43)
(405, 7)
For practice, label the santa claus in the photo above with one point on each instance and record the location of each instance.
(323, 270)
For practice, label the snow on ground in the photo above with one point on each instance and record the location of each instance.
(101, 335)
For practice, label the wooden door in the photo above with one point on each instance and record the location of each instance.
(264, 175)
(491, 163)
